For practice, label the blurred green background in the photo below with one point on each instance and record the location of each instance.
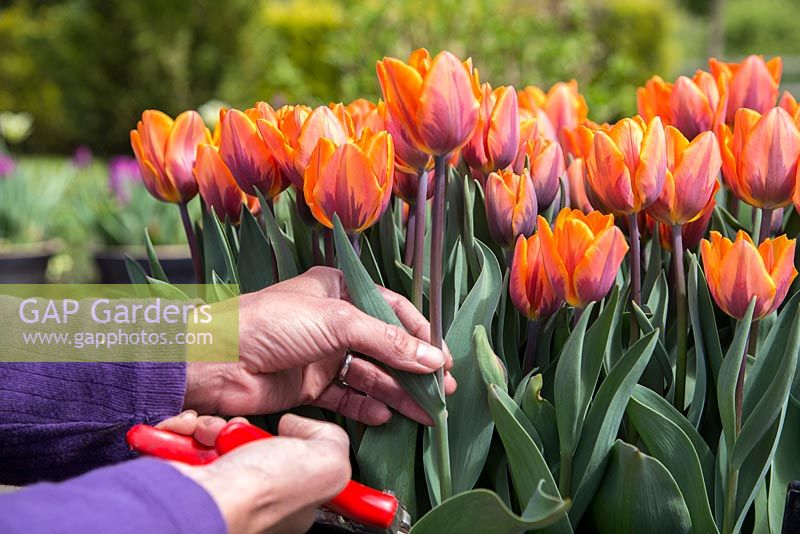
(85, 69)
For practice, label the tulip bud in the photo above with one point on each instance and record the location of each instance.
(627, 165)
(295, 134)
(691, 232)
(218, 188)
(738, 271)
(166, 151)
(493, 144)
(759, 158)
(510, 206)
(582, 254)
(405, 185)
(545, 161)
(246, 154)
(691, 178)
(434, 100)
(352, 180)
(529, 286)
(751, 84)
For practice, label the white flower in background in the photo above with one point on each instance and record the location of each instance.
(15, 127)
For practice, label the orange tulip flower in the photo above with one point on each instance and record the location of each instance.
(294, 136)
(493, 145)
(511, 207)
(166, 152)
(789, 103)
(246, 154)
(352, 180)
(738, 271)
(692, 105)
(436, 101)
(582, 254)
(691, 232)
(218, 188)
(529, 286)
(752, 84)
(759, 158)
(546, 161)
(627, 165)
(365, 114)
(691, 178)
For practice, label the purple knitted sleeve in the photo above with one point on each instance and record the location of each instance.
(141, 496)
(59, 420)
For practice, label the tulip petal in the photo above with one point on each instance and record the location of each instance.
(596, 272)
(448, 108)
(553, 264)
(743, 275)
(502, 137)
(651, 172)
(768, 161)
(322, 123)
(401, 86)
(608, 175)
(518, 278)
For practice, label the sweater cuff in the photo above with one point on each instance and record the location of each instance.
(143, 495)
(160, 389)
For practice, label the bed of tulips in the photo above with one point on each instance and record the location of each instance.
(610, 376)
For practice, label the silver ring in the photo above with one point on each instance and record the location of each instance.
(342, 376)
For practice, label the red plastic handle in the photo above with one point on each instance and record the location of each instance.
(356, 502)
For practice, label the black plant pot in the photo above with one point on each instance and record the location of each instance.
(27, 263)
(175, 260)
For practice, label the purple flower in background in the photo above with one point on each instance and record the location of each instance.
(82, 156)
(123, 172)
(7, 165)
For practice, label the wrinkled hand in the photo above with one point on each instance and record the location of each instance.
(293, 338)
(270, 485)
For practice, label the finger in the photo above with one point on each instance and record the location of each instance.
(239, 420)
(354, 405)
(450, 384)
(319, 281)
(378, 384)
(183, 423)
(387, 343)
(208, 428)
(416, 323)
(295, 426)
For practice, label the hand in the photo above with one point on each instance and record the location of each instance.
(293, 337)
(274, 484)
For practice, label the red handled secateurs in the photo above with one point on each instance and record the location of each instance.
(358, 508)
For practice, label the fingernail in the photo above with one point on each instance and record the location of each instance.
(188, 413)
(430, 356)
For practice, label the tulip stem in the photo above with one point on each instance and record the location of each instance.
(408, 251)
(766, 224)
(729, 510)
(682, 324)
(194, 248)
(315, 252)
(636, 271)
(272, 257)
(355, 240)
(327, 236)
(531, 346)
(437, 253)
(420, 213)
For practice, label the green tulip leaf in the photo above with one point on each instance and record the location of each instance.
(667, 442)
(728, 375)
(287, 265)
(365, 296)
(135, 270)
(655, 402)
(165, 290)
(660, 353)
(638, 494)
(469, 421)
(785, 464)
(529, 471)
(603, 420)
(155, 266)
(216, 251)
(482, 510)
(704, 326)
(491, 369)
(769, 380)
(255, 261)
